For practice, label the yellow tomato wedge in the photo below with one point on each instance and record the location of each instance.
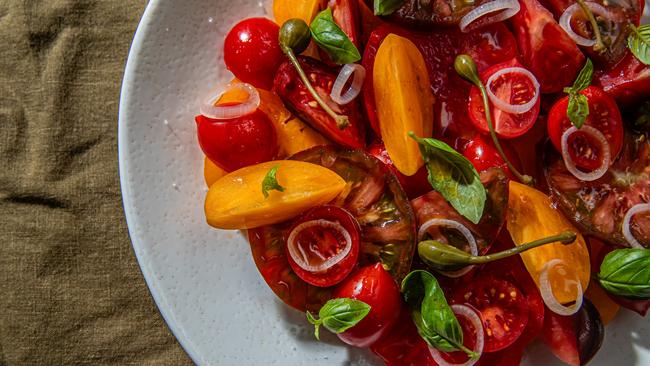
(531, 216)
(236, 200)
(606, 307)
(404, 101)
(211, 172)
(306, 10)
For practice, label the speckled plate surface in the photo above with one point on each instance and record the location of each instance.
(204, 280)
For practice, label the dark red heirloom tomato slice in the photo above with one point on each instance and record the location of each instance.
(377, 202)
(560, 336)
(323, 245)
(236, 143)
(480, 151)
(415, 185)
(628, 81)
(297, 98)
(252, 52)
(546, 48)
(512, 88)
(603, 116)
(598, 208)
(431, 15)
(374, 286)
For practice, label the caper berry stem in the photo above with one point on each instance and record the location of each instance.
(600, 45)
(566, 237)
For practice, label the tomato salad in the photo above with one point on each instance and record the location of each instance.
(442, 182)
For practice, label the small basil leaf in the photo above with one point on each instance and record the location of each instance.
(387, 7)
(584, 77)
(577, 109)
(331, 38)
(339, 315)
(639, 42)
(270, 182)
(626, 272)
(454, 177)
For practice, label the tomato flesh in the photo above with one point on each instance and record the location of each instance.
(560, 336)
(512, 88)
(248, 42)
(415, 185)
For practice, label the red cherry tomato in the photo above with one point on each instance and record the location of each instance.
(318, 241)
(414, 186)
(480, 151)
(252, 51)
(503, 310)
(403, 345)
(603, 115)
(374, 286)
(513, 88)
(239, 142)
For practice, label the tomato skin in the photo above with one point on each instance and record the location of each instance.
(374, 286)
(415, 185)
(482, 153)
(604, 115)
(239, 142)
(403, 345)
(338, 272)
(628, 81)
(507, 125)
(248, 42)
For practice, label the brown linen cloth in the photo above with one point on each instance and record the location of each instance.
(71, 291)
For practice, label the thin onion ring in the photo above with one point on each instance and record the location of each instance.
(505, 106)
(627, 230)
(470, 315)
(547, 292)
(300, 257)
(250, 105)
(565, 22)
(570, 165)
(509, 7)
(342, 79)
(473, 248)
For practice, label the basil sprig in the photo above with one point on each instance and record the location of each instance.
(339, 315)
(626, 272)
(433, 317)
(386, 7)
(578, 108)
(454, 177)
(639, 42)
(332, 39)
(270, 182)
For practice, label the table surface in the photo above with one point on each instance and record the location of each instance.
(72, 292)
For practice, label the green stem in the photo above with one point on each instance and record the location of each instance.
(600, 45)
(566, 237)
(341, 121)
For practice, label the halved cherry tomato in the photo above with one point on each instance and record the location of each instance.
(248, 42)
(318, 243)
(480, 151)
(503, 309)
(512, 88)
(603, 115)
(239, 142)
(415, 185)
(403, 345)
(374, 286)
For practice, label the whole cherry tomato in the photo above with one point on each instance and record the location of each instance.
(480, 151)
(252, 51)
(414, 186)
(326, 239)
(374, 286)
(603, 115)
(239, 142)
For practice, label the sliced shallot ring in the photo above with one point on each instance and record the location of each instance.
(348, 70)
(627, 221)
(547, 291)
(565, 22)
(571, 166)
(470, 315)
(505, 106)
(507, 9)
(473, 248)
(250, 105)
(300, 257)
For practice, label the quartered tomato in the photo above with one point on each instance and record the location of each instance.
(317, 238)
(628, 82)
(560, 336)
(415, 185)
(512, 88)
(603, 116)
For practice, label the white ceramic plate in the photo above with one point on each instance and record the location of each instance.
(204, 280)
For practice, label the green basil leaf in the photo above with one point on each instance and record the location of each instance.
(584, 77)
(339, 315)
(454, 177)
(639, 42)
(270, 182)
(387, 7)
(332, 39)
(435, 320)
(626, 272)
(578, 109)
